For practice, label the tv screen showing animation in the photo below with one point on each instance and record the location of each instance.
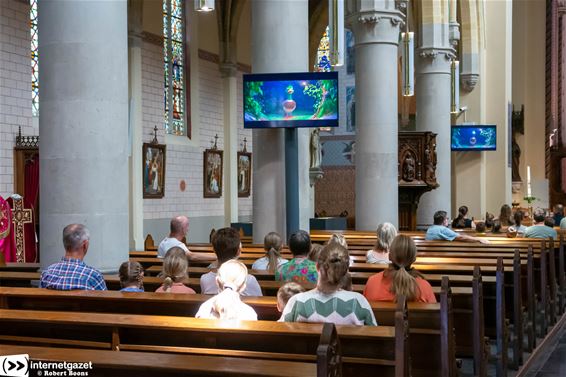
(291, 100)
(474, 138)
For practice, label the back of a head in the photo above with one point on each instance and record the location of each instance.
(288, 290)
(175, 265)
(316, 248)
(178, 225)
(559, 209)
(74, 236)
(489, 218)
(549, 221)
(463, 210)
(300, 243)
(439, 217)
(518, 218)
(272, 244)
(131, 272)
(539, 215)
(231, 280)
(338, 238)
(481, 227)
(386, 233)
(403, 254)
(496, 226)
(505, 214)
(226, 244)
(333, 263)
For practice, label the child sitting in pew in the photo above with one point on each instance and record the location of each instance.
(227, 246)
(131, 277)
(231, 281)
(328, 302)
(175, 272)
(285, 292)
(272, 245)
(400, 278)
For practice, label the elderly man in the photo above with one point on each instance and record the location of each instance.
(539, 229)
(440, 231)
(179, 228)
(71, 272)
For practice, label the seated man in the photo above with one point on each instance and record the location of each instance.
(71, 272)
(179, 228)
(539, 229)
(440, 231)
(227, 246)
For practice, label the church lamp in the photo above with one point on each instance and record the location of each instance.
(408, 58)
(204, 5)
(455, 87)
(336, 32)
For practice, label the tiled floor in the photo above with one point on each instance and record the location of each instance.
(554, 364)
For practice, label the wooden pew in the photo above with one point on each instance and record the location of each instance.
(150, 364)
(429, 323)
(366, 350)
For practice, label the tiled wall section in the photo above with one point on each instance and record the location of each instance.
(186, 162)
(15, 85)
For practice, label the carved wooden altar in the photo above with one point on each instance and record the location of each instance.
(417, 173)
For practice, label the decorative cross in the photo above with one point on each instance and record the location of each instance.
(154, 141)
(215, 142)
(22, 216)
(245, 148)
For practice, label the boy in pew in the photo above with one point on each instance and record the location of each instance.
(131, 277)
(231, 282)
(227, 246)
(71, 272)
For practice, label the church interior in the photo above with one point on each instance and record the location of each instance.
(308, 148)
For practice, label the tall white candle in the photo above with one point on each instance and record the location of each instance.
(529, 194)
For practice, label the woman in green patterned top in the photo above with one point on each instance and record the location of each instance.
(299, 269)
(328, 302)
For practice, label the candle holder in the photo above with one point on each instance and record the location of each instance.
(530, 199)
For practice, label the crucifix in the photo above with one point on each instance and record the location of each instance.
(21, 217)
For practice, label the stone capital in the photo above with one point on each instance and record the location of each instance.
(376, 26)
(468, 81)
(434, 60)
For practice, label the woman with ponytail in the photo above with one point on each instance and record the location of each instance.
(328, 302)
(175, 272)
(231, 280)
(400, 278)
(462, 221)
(272, 245)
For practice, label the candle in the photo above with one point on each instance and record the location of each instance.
(529, 193)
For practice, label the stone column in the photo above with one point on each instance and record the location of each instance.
(376, 29)
(84, 127)
(135, 43)
(229, 86)
(433, 114)
(279, 44)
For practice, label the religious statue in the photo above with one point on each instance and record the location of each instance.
(409, 168)
(316, 150)
(517, 127)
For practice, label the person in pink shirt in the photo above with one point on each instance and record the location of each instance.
(175, 272)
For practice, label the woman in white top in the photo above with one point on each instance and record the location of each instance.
(386, 233)
(518, 227)
(272, 245)
(231, 280)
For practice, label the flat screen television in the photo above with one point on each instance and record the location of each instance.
(287, 100)
(474, 138)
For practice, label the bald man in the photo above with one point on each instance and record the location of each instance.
(179, 229)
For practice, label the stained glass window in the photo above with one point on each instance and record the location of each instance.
(174, 67)
(34, 59)
(323, 54)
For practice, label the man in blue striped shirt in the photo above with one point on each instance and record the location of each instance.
(71, 272)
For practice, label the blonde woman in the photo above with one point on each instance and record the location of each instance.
(328, 302)
(231, 280)
(175, 272)
(386, 233)
(401, 278)
(272, 245)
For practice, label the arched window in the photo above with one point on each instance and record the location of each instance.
(175, 76)
(322, 63)
(34, 59)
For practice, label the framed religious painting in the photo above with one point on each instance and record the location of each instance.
(153, 170)
(212, 173)
(244, 174)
